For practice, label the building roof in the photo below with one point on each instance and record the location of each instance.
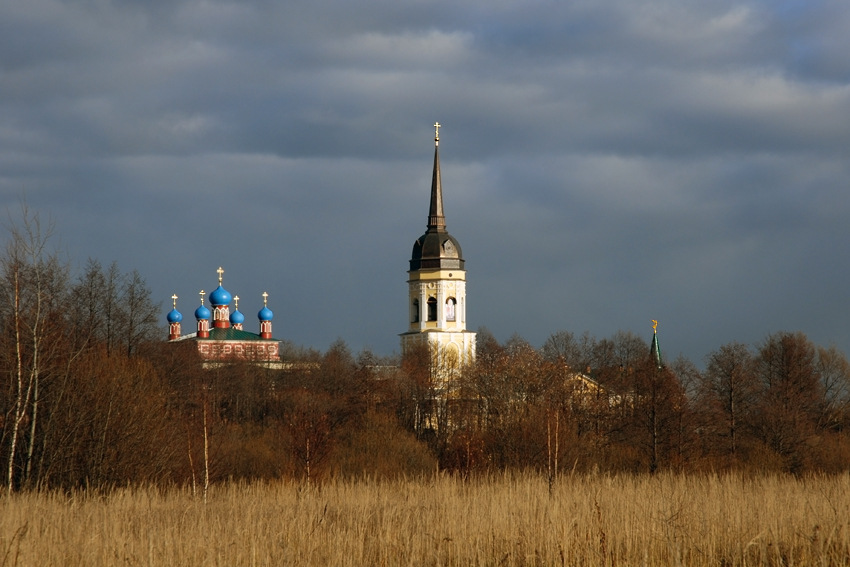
(231, 334)
(220, 296)
(237, 318)
(202, 312)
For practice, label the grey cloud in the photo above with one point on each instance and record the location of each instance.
(604, 163)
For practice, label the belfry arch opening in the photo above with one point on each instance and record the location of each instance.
(432, 308)
(451, 309)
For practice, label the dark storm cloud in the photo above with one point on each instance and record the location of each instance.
(604, 163)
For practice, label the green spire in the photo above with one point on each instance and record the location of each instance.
(654, 349)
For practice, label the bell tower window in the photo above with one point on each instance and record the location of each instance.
(450, 309)
(414, 311)
(432, 308)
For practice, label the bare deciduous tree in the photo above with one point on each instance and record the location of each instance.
(791, 400)
(728, 394)
(31, 275)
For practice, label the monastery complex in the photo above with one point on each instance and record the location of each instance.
(436, 303)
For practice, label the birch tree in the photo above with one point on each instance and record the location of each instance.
(31, 277)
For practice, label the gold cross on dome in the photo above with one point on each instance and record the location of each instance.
(220, 271)
(174, 300)
(265, 298)
(236, 301)
(202, 293)
(437, 127)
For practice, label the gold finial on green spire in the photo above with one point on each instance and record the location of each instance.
(654, 326)
(437, 127)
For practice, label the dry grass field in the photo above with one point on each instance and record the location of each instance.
(596, 520)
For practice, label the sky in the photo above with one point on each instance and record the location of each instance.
(604, 162)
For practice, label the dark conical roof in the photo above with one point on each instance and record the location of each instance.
(436, 217)
(436, 248)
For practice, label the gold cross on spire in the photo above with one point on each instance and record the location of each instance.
(202, 293)
(265, 298)
(437, 127)
(220, 271)
(654, 326)
(174, 300)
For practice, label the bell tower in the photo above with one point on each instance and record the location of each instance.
(437, 289)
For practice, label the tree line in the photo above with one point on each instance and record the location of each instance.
(92, 395)
(580, 403)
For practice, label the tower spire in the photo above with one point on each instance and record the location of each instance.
(436, 219)
(654, 348)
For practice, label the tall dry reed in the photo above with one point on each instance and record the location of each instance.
(593, 520)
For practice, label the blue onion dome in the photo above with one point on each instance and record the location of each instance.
(220, 296)
(202, 313)
(236, 318)
(174, 316)
(265, 314)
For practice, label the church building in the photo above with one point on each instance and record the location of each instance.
(226, 340)
(437, 289)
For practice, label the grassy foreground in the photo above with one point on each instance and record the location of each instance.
(594, 520)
